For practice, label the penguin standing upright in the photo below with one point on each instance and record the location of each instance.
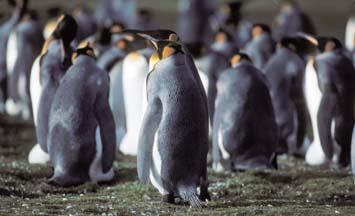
(81, 129)
(5, 30)
(291, 20)
(173, 141)
(262, 46)
(284, 72)
(25, 42)
(334, 109)
(244, 127)
(86, 23)
(45, 79)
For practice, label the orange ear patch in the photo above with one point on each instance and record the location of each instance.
(154, 59)
(168, 51)
(329, 46)
(134, 55)
(116, 29)
(221, 37)
(235, 59)
(173, 37)
(257, 30)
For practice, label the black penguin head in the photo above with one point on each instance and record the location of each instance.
(145, 14)
(299, 45)
(259, 28)
(87, 50)
(239, 56)
(66, 28)
(117, 27)
(324, 44)
(232, 12)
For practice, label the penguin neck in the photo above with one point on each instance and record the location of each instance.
(66, 52)
(83, 59)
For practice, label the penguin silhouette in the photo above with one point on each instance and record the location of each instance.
(335, 104)
(81, 135)
(46, 77)
(173, 140)
(244, 126)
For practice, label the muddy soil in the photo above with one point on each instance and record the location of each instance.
(294, 189)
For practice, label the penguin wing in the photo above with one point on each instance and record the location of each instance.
(147, 134)
(106, 123)
(324, 120)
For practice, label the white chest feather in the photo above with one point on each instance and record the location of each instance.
(12, 52)
(350, 33)
(35, 88)
(134, 73)
(315, 154)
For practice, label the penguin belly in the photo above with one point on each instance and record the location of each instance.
(12, 108)
(134, 73)
(155, 170)
(95, 171)
(116, 102)
(36, 155)
(350, 33)
(315, 154)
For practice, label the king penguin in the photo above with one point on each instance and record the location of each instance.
(81, 129)
(244, 126)
(46, 74)
(5, 31)
(23, 47)
(333, 108)
(173, 140)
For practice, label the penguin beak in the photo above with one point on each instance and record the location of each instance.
(310, 38)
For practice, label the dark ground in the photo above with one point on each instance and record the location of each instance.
(295, 189)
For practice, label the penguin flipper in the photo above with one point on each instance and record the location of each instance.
(149, 127)
(324, 120)
(106, 123)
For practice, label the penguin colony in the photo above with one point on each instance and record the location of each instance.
(94, 85)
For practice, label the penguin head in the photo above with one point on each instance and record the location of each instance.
(299, 45)
(131, 42)
(259, 28)
(117, 27)
(238, 57)
(286, 5)
(159, 34)
(164, 49)
(323, 44)
(87, 50)
(18, 3)
(66, 28)
(231, 12)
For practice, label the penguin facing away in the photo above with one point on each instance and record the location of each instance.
(244, 127)
(173, 141)
(46, 76)
(284, 72)
(81, 137)
(335, 119)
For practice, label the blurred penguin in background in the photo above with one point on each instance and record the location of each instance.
(332, 75)
(24, 46)
(122, 11)
(192, 20)
(224, 42)
(86, 23)
(5, 31)
(244, 127)
(350, 33)
(284, 72)
(144, 20)
(262, 46)
(290, 20)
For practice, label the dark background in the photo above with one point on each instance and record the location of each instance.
(329, 16)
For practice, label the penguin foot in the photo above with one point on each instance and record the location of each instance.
(168, 198)
(37, 155)
(204, 194)
(65, 181)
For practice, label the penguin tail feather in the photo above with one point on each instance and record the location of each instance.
(189, 195)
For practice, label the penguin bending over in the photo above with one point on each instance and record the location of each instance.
(244, 127)
(334, 119)
(81, 135)
(173, 140)
(45, 79)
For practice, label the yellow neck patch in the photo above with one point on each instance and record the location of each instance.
(168, 51)
(46, 45)
(134, 55)
(154, 59)
(235, 59)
